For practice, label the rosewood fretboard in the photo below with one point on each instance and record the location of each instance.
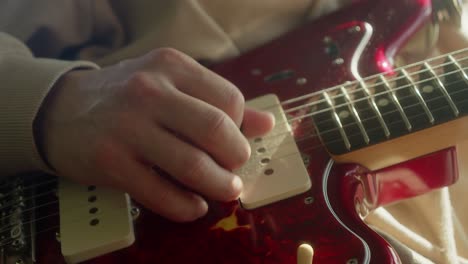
(382, 107)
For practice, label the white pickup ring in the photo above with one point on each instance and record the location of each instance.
(275, 170)
(93, 222)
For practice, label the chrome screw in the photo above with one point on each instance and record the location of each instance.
(338, 61)
(309, 200)
(57, 237)
(301, 81)
(135, 212)
(354, 29)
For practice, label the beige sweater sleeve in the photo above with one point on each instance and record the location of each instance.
(24, 82)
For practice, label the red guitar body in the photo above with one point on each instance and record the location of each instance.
(358, 41)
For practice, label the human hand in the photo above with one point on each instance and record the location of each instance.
(113, 126)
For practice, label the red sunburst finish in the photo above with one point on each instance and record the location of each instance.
(271, 234)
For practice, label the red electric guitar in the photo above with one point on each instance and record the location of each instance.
(334, 155)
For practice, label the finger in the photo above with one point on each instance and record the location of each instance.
(195, 80)
(257, 123)
(188, 165)
(156, 193)
(207, 127)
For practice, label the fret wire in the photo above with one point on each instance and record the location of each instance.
(441, 86)
(459, 67)
(419, 96)
(355, 114)
(337, 121)
(374, 107)
(396, 102)
(375, 129)
(361, 99)
(370, 118)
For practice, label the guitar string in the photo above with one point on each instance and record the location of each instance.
(10, 193)
(361, 99)
(14, 203)
(3, 229)
(348, 104)
(313, 135)
(26, 210)
(351, 102)
(6, 183)
(372, 129)
(295, 142)
(386, 113)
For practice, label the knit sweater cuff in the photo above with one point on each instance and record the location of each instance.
(25, 82)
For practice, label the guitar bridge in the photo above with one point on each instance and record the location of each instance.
(275, 170)
(17, 233)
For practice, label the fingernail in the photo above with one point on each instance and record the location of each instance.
(237, 184)
(202, 206)
(249, 149)
(272, 117)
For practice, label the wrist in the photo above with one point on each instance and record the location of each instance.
(43, 122)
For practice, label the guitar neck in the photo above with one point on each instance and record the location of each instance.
(385, 107)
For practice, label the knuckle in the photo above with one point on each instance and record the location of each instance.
(138, 79)
(217, 124)
(242, 157)
(235, 101)
(218, 131)
(140, 86)
(168, 56)
(176, 63)
(195, 169)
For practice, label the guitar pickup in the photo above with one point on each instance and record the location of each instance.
(93, 221)
(275, 170)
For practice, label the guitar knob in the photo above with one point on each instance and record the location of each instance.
(305, 254)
